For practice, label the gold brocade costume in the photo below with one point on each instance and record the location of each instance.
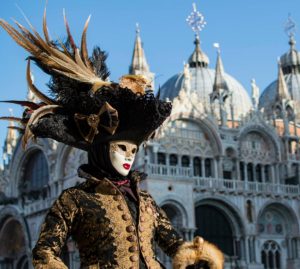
(97, 216)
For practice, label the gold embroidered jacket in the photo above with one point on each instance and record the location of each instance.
(98, 218)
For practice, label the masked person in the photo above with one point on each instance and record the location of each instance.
(112, 221)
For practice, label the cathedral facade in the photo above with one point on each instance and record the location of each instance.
(225, 166)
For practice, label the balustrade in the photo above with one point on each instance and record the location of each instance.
(207, 183)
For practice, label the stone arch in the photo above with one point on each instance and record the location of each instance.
(178, 208)
(266, 134)
(17, 168)
(229, 236)
(34, 155)
(14, 236)
(286, 214)
(206, 125)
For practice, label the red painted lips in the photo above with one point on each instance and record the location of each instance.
(126, 166)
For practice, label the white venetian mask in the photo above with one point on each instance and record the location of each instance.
(122, 154)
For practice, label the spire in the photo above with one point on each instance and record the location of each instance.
(139, 62)
(282, 92)
(139, 65)
(10, 141)
(220, 82)
(198, 58)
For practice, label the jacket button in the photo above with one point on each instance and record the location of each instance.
(141, 229)
(147, 259)
(142, 219)
(133, 249)
(121, 207)
(142, 239)
(134, 258)
(130, 228)
(131, 238)
(117, 197)
(126, 217)
(143, 248)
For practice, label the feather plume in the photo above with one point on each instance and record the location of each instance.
(51, 58)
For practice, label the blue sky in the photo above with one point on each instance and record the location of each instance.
(250, 32)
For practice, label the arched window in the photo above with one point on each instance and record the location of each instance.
(270, 255)
(250, 172)
(258, 173)
(208, 167)
(36, 174)
(242, 172)
(173, 159)
(267, 172)
(197, 167)
(214, 227)
(161, 158)
(185, 161)
(12, 242)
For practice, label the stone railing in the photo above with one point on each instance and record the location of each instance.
(38, 205)
(220, 184)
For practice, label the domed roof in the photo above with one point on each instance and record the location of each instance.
(201, 81)
(290, 63)
(291, 59)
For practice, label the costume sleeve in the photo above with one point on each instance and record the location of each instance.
(54, 232)
(166, 236)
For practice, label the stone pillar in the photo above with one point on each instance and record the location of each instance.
(277, 173)
(273, 175)
(215, 163)
(263, 175)
(254, 172)
(203, 167)
(245, 171)
(238, 171)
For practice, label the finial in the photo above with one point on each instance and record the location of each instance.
(290, 26)
(196, 20)
(137, 28)
(217, 46)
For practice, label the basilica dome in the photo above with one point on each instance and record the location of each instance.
(290, 64)
(201, 82)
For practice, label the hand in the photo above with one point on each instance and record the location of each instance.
(191, 253)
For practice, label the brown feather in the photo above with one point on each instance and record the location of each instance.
(10, 118)
(35, 91)
(16, 128)
(36, 115)
(84, 51)
(71, 40)
(45, 28)
(28, 104)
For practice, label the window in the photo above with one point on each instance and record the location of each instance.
(270, 255)
(173, 160)
(185, 161)
(258, 173)
(208, 167)
(161, 158)
(36, 173)
(197, 167)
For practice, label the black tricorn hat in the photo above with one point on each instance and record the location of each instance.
(84, 106)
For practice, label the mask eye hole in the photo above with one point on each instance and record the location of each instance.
(122, 147)
(133, 150)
